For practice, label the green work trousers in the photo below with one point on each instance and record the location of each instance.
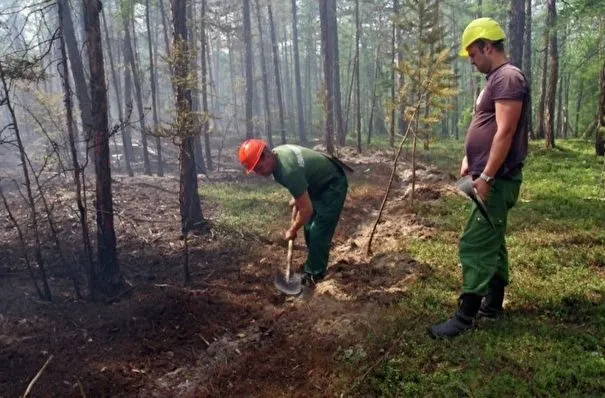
(320, 229)
(483, 252)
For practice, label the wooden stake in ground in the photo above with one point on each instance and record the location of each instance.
(36, 377)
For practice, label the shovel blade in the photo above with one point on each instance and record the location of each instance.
(291, 286)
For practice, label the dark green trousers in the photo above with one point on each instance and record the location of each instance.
(320, 229)
(483, 252)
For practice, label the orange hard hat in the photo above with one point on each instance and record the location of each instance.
(249, 153)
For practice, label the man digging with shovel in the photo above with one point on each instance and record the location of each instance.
(495, 149)
(318, 186)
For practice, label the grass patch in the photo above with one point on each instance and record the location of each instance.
(255, 206)
(551, 342)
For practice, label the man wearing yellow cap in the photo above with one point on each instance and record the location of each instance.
(495, 149)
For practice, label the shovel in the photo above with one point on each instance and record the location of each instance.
(465, 184)
(284, 282)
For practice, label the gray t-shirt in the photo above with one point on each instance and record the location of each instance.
(505, 83)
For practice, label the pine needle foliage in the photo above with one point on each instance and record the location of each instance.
(426, 67)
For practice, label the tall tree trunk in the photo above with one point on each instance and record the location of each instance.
(77, 68)
(198, 154)
(280, 102)
(549, 116)
(302, 134)
(527, 66)
(516, 29)
(189, 199)
(77, 169)
(373, 95)
(109, 279)
(127, 146)
(328, 51)
(166, 36)
(393, 61)
(542, 101)
(357, 90)
(154, 104)
(579, 106)
(333, 33)
(205, 111)
(126, 12)
(600, 125)
(566, 106)
(128, 106)
(234, 106)
(248, 66)
(264, 78)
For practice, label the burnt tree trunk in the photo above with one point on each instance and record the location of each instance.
(189, 199)
(108, 278)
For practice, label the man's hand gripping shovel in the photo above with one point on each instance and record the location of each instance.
(284, 282)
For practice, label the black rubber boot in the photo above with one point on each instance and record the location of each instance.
(492, 304)
(462, 321)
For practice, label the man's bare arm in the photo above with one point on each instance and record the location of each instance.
(508, 114)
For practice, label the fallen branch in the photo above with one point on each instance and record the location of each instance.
(35, 379)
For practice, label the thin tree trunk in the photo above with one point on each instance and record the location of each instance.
(302, 134)
(77, 170)
(527, 63)
(206, 113)
(600, 125)
(264, 77)
(333, 35)
(579, 106)
(328, 51)
(109, 280)
(393, 84)
(358, 91)
(77, 68)
(130, 60)
(235, 108)
(117, 88)
(549, 116)
(280, 102)
(373, 96)
(189, 200)
(154, 104)
(542, 102)
(248, 67)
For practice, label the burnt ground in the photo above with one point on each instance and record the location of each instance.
(228, 333)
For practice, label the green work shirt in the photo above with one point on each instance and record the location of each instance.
(300, 169)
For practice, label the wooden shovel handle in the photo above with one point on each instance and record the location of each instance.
(290, 247)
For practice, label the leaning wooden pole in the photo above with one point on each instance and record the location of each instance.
(386, 194)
